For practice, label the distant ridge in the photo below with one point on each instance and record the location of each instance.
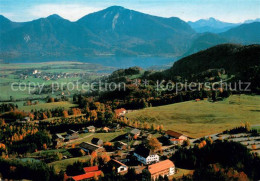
(114, 31)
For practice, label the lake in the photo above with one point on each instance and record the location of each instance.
(118, 62)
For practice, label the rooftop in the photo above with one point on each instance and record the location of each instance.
(117, 163)
(173, 134)
(95, 140)
(143, 151)
(89, 146)
(86, 175)
(135, 131)
(90, 169)
(118, 111)
(157, 167)
(91, 127)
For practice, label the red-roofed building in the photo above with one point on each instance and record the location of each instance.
(90, 173)
(176, 141)
(90, 169)
(163, 168)
(87, 176)
(175, 136)
(120, 112)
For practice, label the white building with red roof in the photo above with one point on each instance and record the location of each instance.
(163, 168)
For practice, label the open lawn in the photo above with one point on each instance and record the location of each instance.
(180, 172)
(65, 105)
(197, 119)
(62, 164)
(50, 152)
(257, 127)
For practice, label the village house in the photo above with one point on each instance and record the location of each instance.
(35, 72)
(123, 157)
(120, 167)
(121, 145)
(25, 120)
(146, 136)
(145, 155)
(120, 112)
(90, 169)
(71, 135)
(106, 129)
(89, 147)
(97, 141)
(135, 132)
(163, 168)
(174, 137)
(59, 138)
(90, 173)
(91, 129)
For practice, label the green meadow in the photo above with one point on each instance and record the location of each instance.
(197, 119)
(11, 73)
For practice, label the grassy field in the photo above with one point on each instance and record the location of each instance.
(62, 164)
(257, 127)
(50, 152)
(197, 119)
(65, 105)
(11, 73)
(180, 172)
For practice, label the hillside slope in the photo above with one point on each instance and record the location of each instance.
(233, 58)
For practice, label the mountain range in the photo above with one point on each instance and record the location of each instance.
(212, 25)
(114, 31)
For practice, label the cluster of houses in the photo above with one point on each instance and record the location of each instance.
(141, 155)
(50, 76)
(147, 158)
(72, 135)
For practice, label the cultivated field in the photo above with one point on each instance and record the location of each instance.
(62, 164)
(197, 119)
(64, 104)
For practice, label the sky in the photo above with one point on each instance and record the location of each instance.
(234, 11)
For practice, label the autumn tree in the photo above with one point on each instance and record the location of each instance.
(65, 114)
(94, 154)
(105, 157)
(202, 144)
(93, 115)
(50, 99)
(44, 146)
(135, 137)
(253, 147)
(95, 177)
(107, 144)
(161, 127)
(247, 126)
(49, 114)
(82, 152)
(154, 144)
(2, 122)
(44, 116)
